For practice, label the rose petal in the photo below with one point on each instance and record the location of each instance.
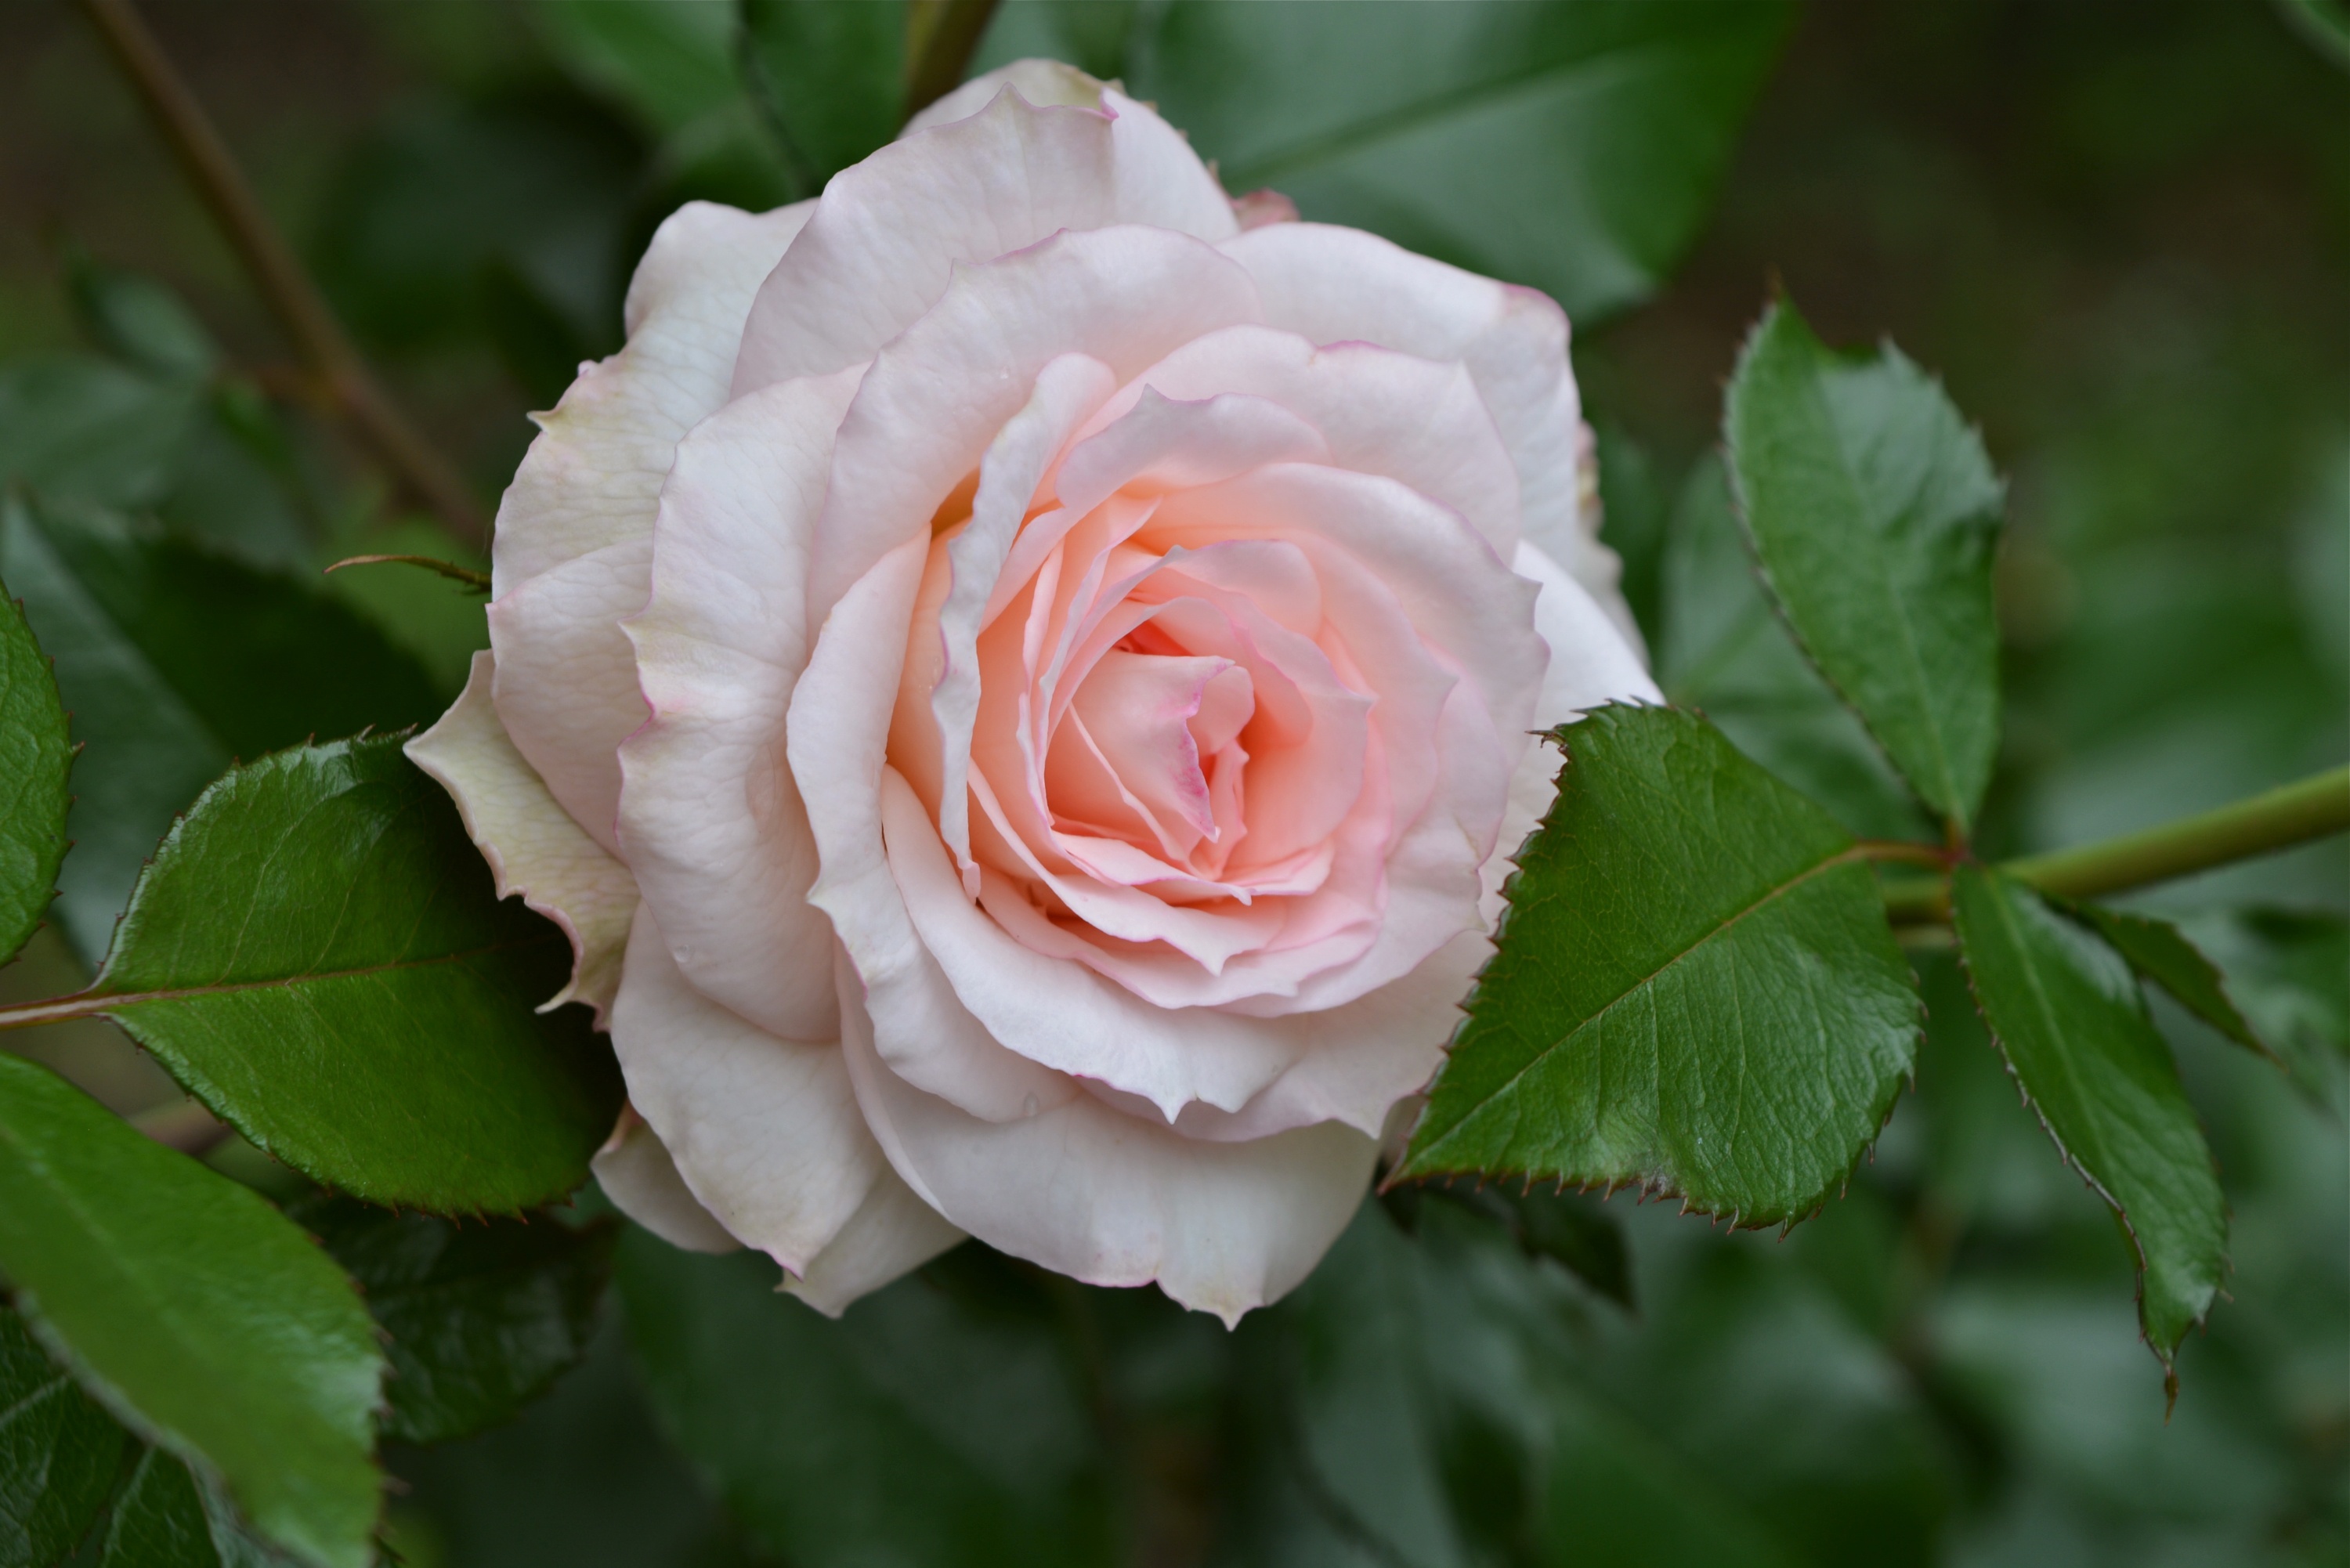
(638, 1174)
(592, 477)
(893, 1232)
(709, 811)
(1339, 284)
(1126, 296)
(764, 1131)
(1108, 1198)
(566, 684)
(534, 848)
(888, 232)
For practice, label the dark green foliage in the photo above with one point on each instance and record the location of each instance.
(2068, 1016)
(1569, 1229)
(1431, 124)
(831, 80)
(1721, 649)
(2160, 952)
(194, 1311)
(59, 1454)
(2290, 970)
(174, 659)
(1874, 511)
(319, 955)
(942, 1421)
(166, 1518)
(85, 430)
(1695, 991)
(479, 1317)
(35, 757)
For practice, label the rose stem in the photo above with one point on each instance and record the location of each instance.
(939, 37)
(332, 357)
(2293, 814)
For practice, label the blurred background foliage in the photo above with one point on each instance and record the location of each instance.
(2120, 232)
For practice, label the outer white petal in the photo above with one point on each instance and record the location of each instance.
(638, 1174)
(1590, 663)
(888, 232)
(709, 813)
(765, 1131)
(1109, 1199)
(1338, 285)
(593, 475)
(1161, 180)
(534, 848)
(567, 680)
(893, 1232)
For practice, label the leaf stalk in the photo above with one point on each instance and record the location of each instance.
(2291, 814)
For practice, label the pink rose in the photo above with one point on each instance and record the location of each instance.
(1020, 692)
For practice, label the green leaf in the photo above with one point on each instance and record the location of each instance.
(480, 1318)
(35, 757)
(1566, 1228)
(2159, 951)
(80, 428)
(1875, 513)
(1573, 145)
(671, 64)
(166, 1518)
(59, 1454)
(174, 659)
(1721, 649)
(194, 1311)
(830, 79)
(2068, 1015)
(318, 954)
(2290, 969)
(1695, 989)
(942, 1421)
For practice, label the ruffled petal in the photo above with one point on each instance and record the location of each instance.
(836, 737)
(1339, 284)
(638, 1174)
(1108, 1199)
(709, 813)
(592, 477)
(764, 1131)
(565, 683)
(1127, 297)
(893, 1232)
(533, 846)
(888, 232)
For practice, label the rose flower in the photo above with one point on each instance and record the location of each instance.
(1019, 683)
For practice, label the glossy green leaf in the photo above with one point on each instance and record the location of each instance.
(195, 1312)
(936, 1423)
(1721, 649)
(2159, 951)
(1875, 512)
(167, 1518)
(480, 1318)
(35, 756)
(1695, 990)
(174, 659)
(2069, 1018)
(318, 954)
(59, 1454)
(1573, 145)
(831, 79)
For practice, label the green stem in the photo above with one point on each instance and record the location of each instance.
(939, 37)
(2296, 814)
